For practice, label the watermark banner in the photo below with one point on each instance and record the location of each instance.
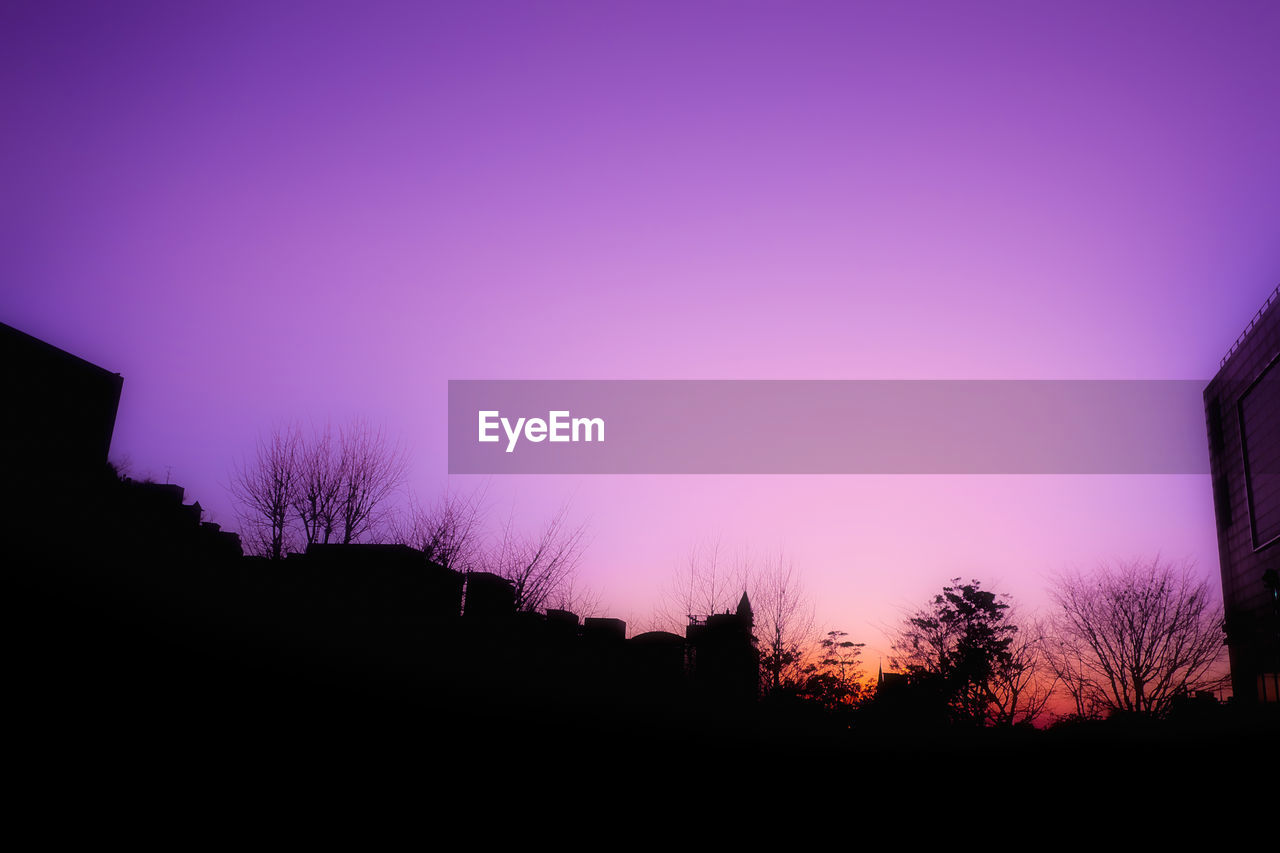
(827, 427)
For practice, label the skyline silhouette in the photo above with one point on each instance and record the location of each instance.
(143, 619)
(323, 553)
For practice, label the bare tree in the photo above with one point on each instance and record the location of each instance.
(370, 469)
(783, 622)
(707, 582)
(315, 490)
(1022, 683)
(319, 484)
(576, 597)
(710, 582)
(449, 532)
(264, 489)
(1135, 636)
(542, 567)
(1066, 660)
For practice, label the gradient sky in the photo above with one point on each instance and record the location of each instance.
(267, 211)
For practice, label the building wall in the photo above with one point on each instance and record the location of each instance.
(58, 411)
(1242, 414)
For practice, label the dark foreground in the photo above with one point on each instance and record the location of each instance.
(152, 676)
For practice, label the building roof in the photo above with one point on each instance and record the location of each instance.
(1271, 300)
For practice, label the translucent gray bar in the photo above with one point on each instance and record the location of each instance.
(832, 427)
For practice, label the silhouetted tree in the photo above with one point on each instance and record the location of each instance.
(708, 582)
(959, 645)
(449, 532)
(370, 470)
(542, 567)
(835, 680)
(264, 489)
(315, 489)
(784, 622)
(1135, 636)
(1022, 683)
(319, 484)
(1069, 669)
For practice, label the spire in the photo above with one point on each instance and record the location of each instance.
(744, 608)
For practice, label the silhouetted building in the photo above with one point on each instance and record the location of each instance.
(562, 626)
(58, 411)
(1242, 414)
(57, 415)
(604, 629)
(489, 597)
(722, 657)
(396, 574)
(657, 663)
(152, 518)
(888, 683)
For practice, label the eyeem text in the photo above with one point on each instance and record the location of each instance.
(557, 427)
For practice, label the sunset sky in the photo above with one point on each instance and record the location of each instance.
(259, 212)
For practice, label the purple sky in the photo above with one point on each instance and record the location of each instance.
(259, 211)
